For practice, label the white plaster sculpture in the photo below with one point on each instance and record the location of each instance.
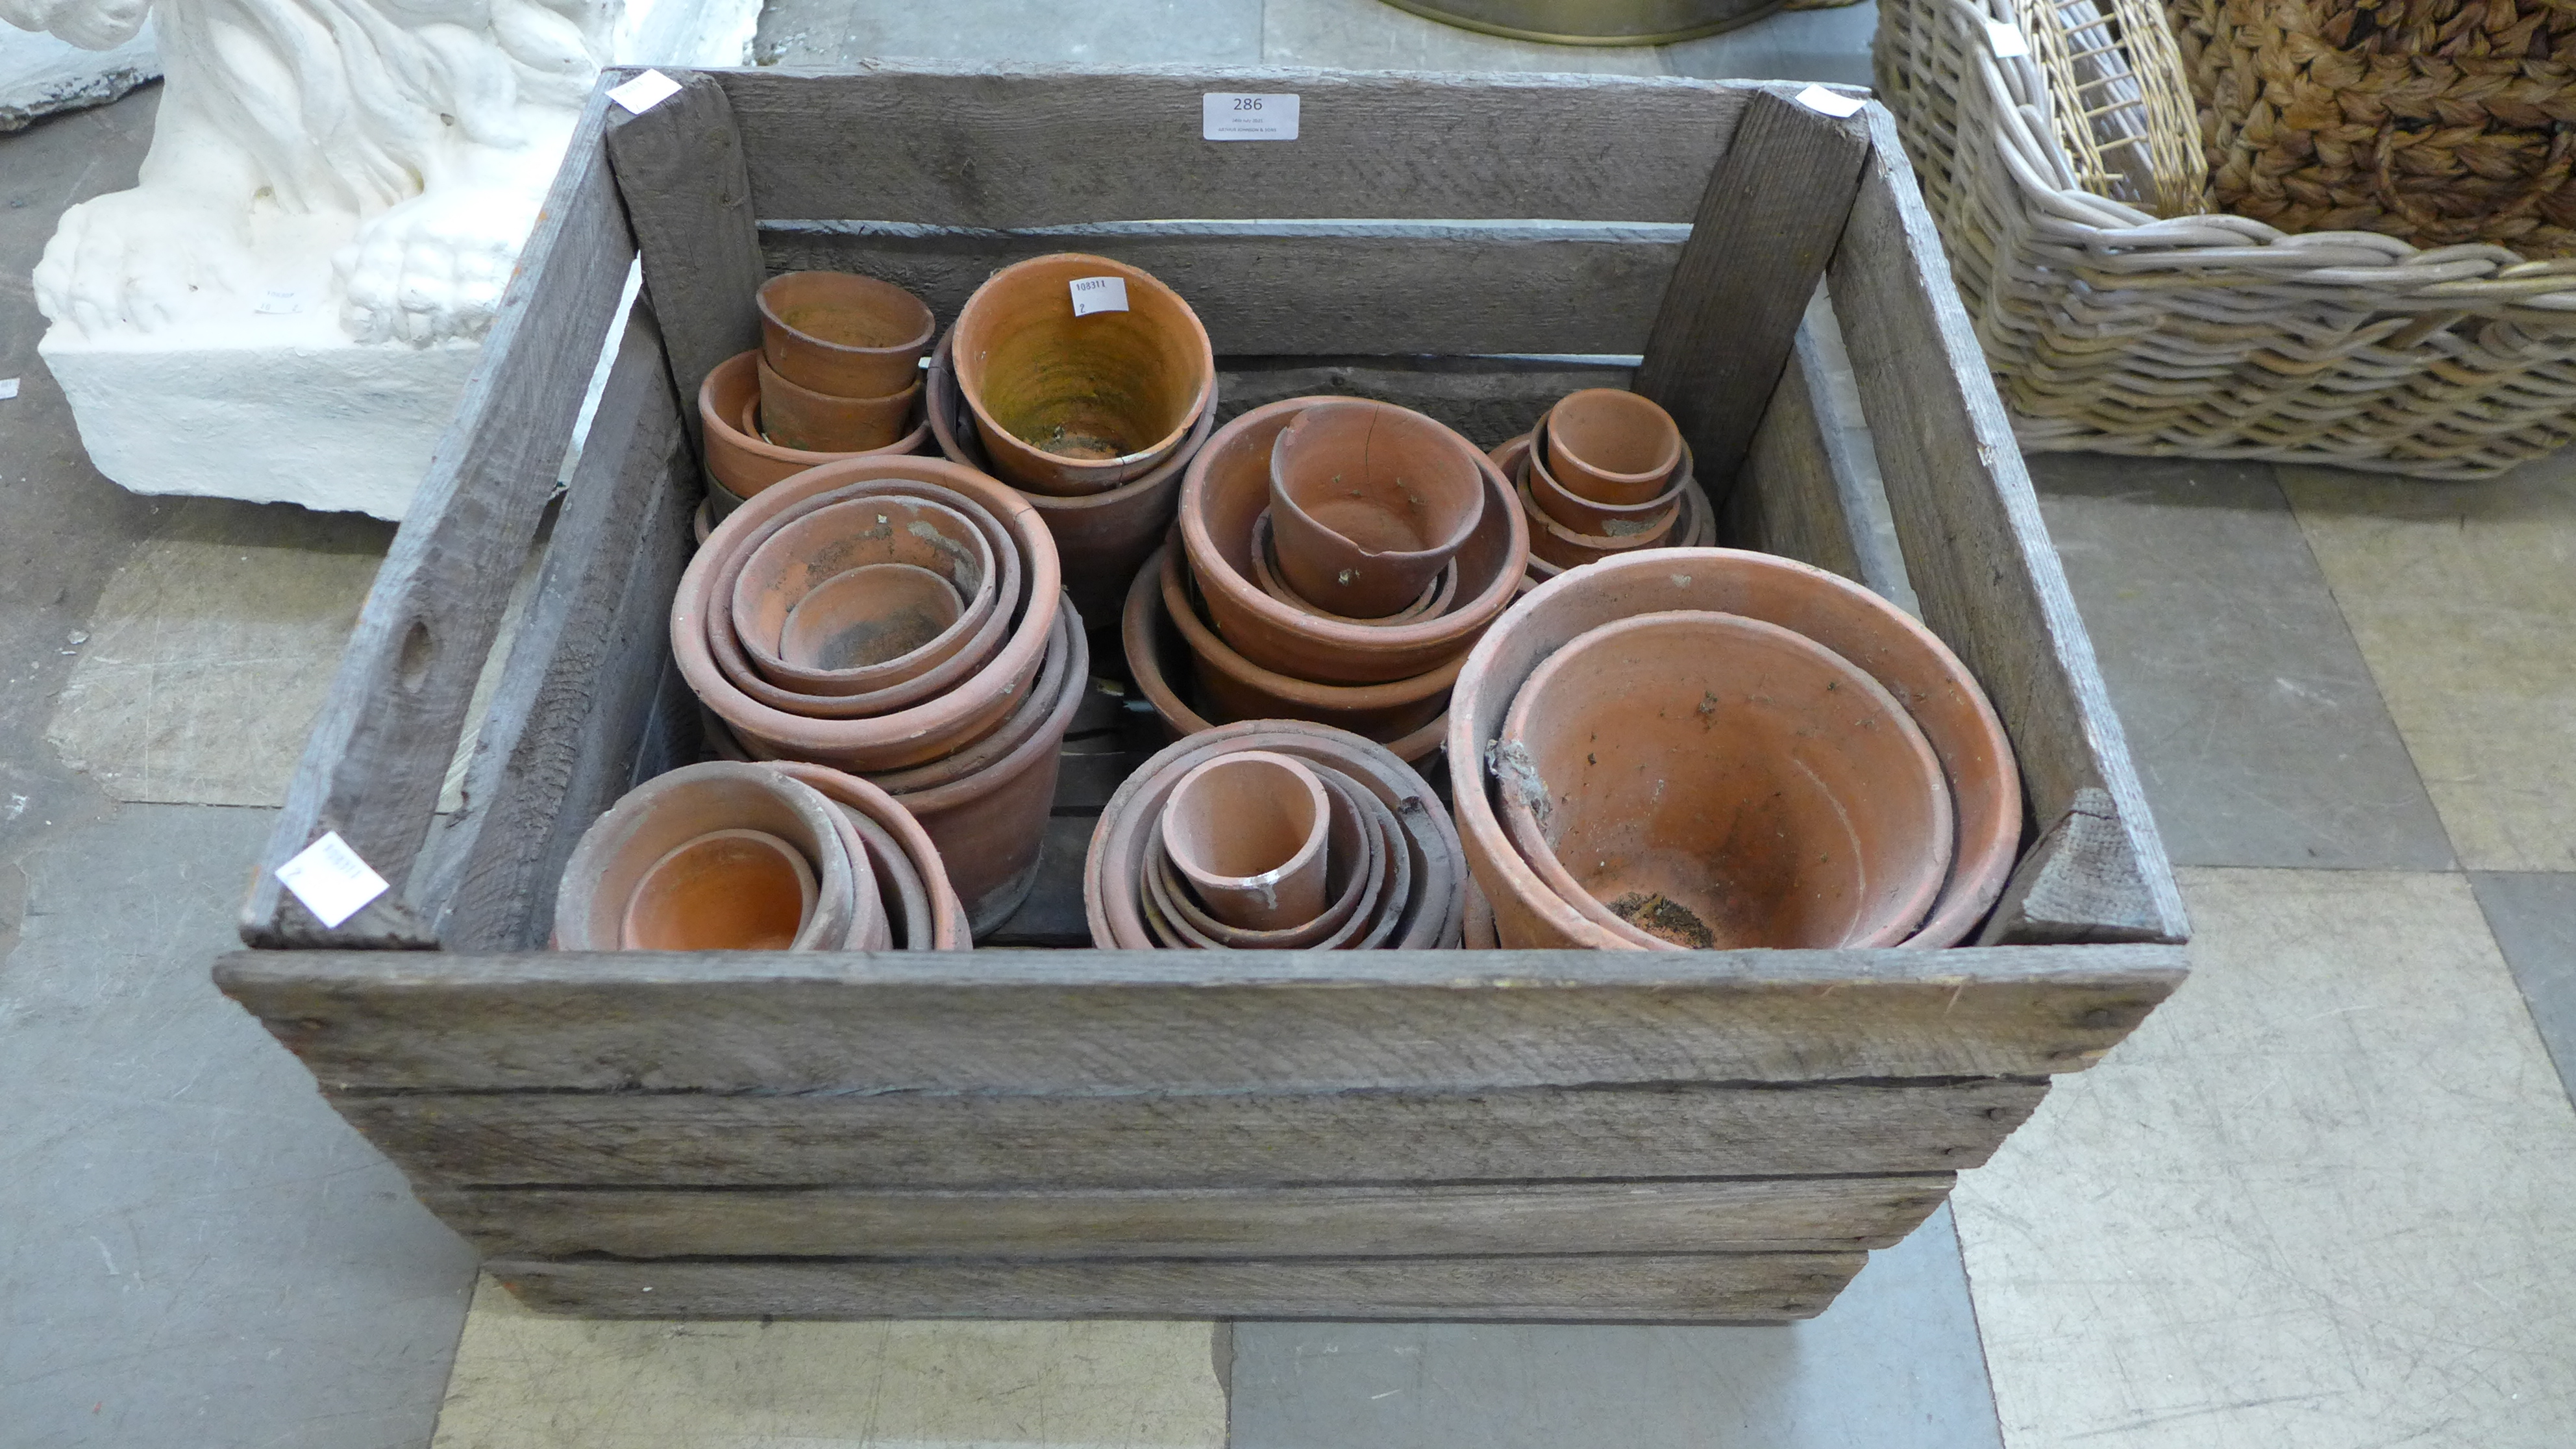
(41, 74)
(288, 304)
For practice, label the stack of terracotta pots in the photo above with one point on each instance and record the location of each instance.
(1088, 385)
(1604, 473)
(901, 619)
(744, 857)
(1335, 560)
(1701, 748)
(1274, 834)
(837, 375)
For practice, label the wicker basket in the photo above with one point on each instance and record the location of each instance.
(2214, 336)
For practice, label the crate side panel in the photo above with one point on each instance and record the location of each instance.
(680, 171)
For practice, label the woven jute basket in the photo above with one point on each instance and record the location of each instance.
(2195, 333)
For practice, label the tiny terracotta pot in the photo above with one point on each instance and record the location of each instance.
(726, 890)
(1715, 782)
(1431, 603)
(1360, 869)
(1227, 489)
(1555, 543)
(1247, 832)
(843, 335)
(909, 867)
(738, 457)
(1695, 525)
(874, 614)
(1368, 503)
(822, 422)
(1581, 515)
(1076, 405)
(1894, 649)
(1611, 446)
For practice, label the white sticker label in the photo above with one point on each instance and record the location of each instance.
(280, 301)
(330, 880)
(2006, 39)
(8, 388)
(1832, 103)
(1099, 294)
(645, 92)
(1230, 116)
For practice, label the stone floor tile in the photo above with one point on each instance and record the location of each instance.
(2533, 917)
(1807, 45)
(2257, 729)
(1097, 32)
(1893, 1363)
(524, 1381)
(2319, 1200)
(194, 1248)
(1373, 35)
(2464, 599)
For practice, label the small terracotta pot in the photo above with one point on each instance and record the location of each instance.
(1420, 907)
(1581, 515)
(1227, 489)
(1611, 446)
(843, 335)
(874, 614)
(909, 865)
(1716, 782)
(926, 529)
(1102, 538)
(1368, 503)
(1360, 861)
(1881, 639)
(1159, 659)
(738, 457)
(726, 890)
(1247, 831)
(1694, 527)
(1555, 543)
(1431, 603)
(1075, 405)
(822, 422)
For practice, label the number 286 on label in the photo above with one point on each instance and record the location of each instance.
(1235, 116)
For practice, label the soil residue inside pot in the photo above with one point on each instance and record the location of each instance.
(1661, 916)
(874, 641)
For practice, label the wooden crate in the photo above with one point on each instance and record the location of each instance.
(1691, 1137)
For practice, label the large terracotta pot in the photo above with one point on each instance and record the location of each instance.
(1226, 492)
(1369, 502)
(1903, 656)
(743, 461)
(1611, 446)
(1068, 404)
(843, 335)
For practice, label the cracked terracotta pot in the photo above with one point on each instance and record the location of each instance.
(1068, 404)
(863, 632)
(1715, 782)
(1369, 502)
(1899, 653)
(742, 461)
(1580, 515)
(1227, 489)
(1431, 603)
(822, 422)
(843, 335)
(1611, 446)
(1365, 861)
(1247, 833)
(912, 876)
(1101, 538)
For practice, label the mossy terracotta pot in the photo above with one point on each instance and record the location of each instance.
(1432, 602)
(1369, 502)
(822, 422)
(738, 457)
(1247, 832)
(1713, 781)
(1891, 647)
(843, 335)
(1611, 446)
(1068, 404)
(818, 613)
(1581, 515)
(1228, 488)
(912, 876)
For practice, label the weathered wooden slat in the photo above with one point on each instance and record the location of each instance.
(1710, 1288)
(378, 754)
(967, 1140)
(681, 173)
(1488, 400)
(1738, 1215)
(1533, 289)
(1188, 1021)
(1976, 549)
(966, 145)
(574, 696)
(2076, 877)
(1775, 205)
(1789, 499)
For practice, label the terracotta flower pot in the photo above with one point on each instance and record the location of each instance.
(1102, 538)
(737, 456)
(1555, 543)
(843, 335)
(1227, 489)
(1364, 861)
(1247, 832)
(822, 422)
(741, 890)
(1421, 899)
(823, 567)
(646, 838)
(1368, 503)
(1611, 446)
(910, 870)
(875, 614)
(1431, 603)
(924, 731)
(1073, 405)
(1695, 526)
(1717, 782)
(1581, 515)
(1904, 657)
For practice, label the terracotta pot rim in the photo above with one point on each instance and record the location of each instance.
(1677, 457)
(1433, 601)
(948, 915)
(605, 840)
(763, 297)
(712, 420)
(1698, 518)
(1046, 714)
(1281, 495)
(1603, 545)
(1341, 914)
(1541, 481)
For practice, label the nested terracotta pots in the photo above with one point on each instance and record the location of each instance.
(912, 877)
(1614, 521)
(842, 335)
(1073, 404)
(1611, 446)
(1102, 538)
(1905, 659)
(870, 593)
(1227, 490)
(742, 461)
(1392, 877)
(720, 856)
(1711, 781)
(1369, 503)
(1247, 834)
(820, 422)
(1694, 522)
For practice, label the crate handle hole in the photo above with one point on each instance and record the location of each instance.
(413, 668)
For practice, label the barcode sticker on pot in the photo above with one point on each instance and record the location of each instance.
(1832, 103)
(1230, 116)
(2006, 38)
(645, 92)
(1099, 294)
(330, 880)
(280, 302)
